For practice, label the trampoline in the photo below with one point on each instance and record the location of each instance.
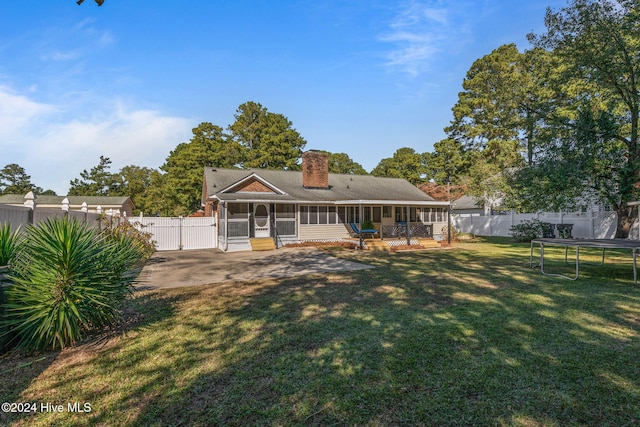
(604, 244)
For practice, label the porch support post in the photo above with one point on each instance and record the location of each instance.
(408, 226)
(360, 225)
(225, 206)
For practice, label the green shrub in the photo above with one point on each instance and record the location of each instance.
(67, 279)
(368, 225)
(129, 231)
(9, 243)
(9, 240)
(445, 232)
(530, 229)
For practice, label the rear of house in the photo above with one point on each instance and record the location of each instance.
(314, 205)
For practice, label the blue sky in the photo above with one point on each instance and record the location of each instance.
(130, 79)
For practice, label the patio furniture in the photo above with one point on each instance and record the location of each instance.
(357, 232)
(547, 230)
(564, 231)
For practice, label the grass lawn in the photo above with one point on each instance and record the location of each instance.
(467, 336)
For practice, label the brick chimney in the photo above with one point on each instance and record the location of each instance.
(315, 170)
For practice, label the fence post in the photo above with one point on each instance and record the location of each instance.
(30, 202)
(65, 206)
(99, 212)
(491, 225)
(84, 210)
(180, 232)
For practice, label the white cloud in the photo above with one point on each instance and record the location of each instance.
(420, 31)
(60, 56)
(17, 111)
(55, 148)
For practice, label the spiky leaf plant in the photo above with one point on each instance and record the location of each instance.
(68, 278)
(9, 239)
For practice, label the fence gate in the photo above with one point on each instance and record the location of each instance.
(181, 233)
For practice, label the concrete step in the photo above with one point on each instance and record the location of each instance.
(429, 243)
(377, 245)
(263, 244)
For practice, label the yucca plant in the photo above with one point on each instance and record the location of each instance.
(67, 279)
(9, 240)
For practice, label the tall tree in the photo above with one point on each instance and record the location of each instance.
(406, 163)
(14, 180)
(448, 162)
(269, 141)
(184, 167)
(96, 182)
(499, 115)
(342, 163)
(133, 181)
(599, 44)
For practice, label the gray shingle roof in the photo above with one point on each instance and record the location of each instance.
(342, 187)
(467, 202)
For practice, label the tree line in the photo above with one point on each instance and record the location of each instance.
(554, 127)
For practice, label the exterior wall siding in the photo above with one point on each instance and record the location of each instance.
(322, 232)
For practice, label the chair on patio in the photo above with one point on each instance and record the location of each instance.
(357, 232)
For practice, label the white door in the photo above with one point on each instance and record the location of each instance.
(261, 220)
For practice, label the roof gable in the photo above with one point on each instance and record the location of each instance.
(253, 184)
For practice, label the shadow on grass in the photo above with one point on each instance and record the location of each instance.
(455, 337)
(447, 338)
(21, 372)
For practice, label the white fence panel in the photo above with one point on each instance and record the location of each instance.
(589, 225)
(22, 215)
(180, 233)
(17, 216)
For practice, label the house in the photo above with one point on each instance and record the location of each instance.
(468, 206)
(314, 205)
(115, 204)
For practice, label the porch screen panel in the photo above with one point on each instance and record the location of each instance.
(238, 220)
(304, 214)
(367, 213)
(313, 214)
(286, 220)
(342, 215)
(377, 214)
(413, 216)
(238, 210)
(331, 215)
(238, 228)
(322, 215)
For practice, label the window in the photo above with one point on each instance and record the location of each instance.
(321, 214)
(401, 214)
(386, 212)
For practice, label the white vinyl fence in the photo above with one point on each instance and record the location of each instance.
(180, 233)
(587, 225)
(21, 216)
